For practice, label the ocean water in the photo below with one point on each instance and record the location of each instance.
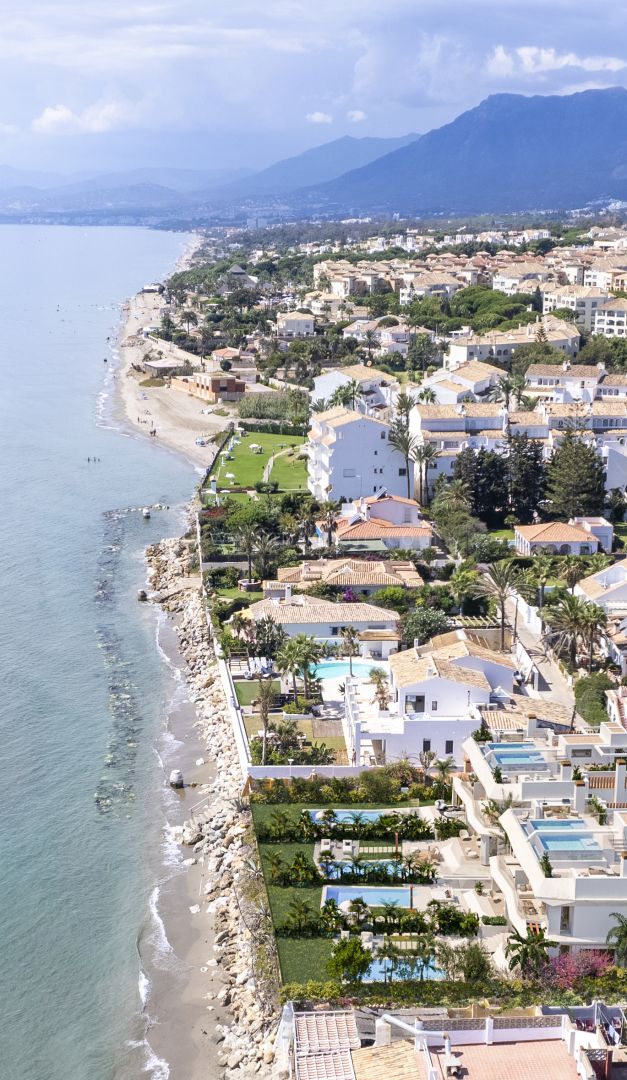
(84, 692)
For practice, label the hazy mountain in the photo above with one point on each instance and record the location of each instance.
(509, 153)
(67, 200)
(315, 166)
(183, 180)
(17, 178)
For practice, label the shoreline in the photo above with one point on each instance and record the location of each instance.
(194, 939)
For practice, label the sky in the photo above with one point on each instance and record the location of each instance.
(104, 84)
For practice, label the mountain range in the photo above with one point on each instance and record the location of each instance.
(510, 153)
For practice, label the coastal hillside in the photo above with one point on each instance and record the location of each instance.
(509, 153)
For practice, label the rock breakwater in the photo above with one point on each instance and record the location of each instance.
(220, 837)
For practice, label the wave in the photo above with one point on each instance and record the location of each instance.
(156, 1066)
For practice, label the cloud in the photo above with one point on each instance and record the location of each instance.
(534, 60)
(319, 118)
(355, 116)
(8, 129)
(96, 119)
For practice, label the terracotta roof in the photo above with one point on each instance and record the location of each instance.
(575, 371)
(615, 379)
(409, 668)
(350, 572)
(440, 412)
(377, 529)
(554, 532)
(475, 370)
(361, 372)
(309, 609)
(391, 498)
(593, 586)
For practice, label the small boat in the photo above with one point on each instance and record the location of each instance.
(146, 512)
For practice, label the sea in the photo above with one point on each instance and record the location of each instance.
(85, 689)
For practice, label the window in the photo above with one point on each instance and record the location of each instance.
(434, 706)
(383, 434)
(376, 452)
(448, 746)
(349, 473)
(335, 631)
(402, 472)
(426, 745)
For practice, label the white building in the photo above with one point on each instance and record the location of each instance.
(568, 382)
(558, 538)
(380, 523)
(582, 300)
(350, 456)
(295, 324)
(520, 277)
(467, 380)
(377, 389)
(611, 318)
(502, 344)
(607, 588)
(324, 621)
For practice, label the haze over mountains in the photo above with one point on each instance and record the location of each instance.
(510, 153)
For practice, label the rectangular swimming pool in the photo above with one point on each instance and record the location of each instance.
(372, 895)
(377, 970)
(567, 841)
(354, 815)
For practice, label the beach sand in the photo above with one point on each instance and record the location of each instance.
(178, 418)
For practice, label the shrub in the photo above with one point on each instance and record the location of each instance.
(590, 697)
(494, 920)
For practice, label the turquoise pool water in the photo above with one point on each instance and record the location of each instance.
(353, 815)
(518, 757)
(564, 824)
(339, 669)
(568, 842)
(372, 895)
(378, 968)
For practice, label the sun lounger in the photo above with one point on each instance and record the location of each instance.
(325, 847)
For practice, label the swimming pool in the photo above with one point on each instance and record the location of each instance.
(517, 757)
(335, 871)
(353, 815)
(378, 968)
(372, 895)
(567, 842)
(563, 824)
(340, 669)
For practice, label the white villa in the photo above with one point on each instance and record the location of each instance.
(295, 324)
(380, 523)
(377, 389)
(607, 588)
(350, 456)
(436, 697)
(324, 620)
(582, 536)
(363, 577)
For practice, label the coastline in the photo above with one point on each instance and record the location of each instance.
(195, 947)
(178, 418)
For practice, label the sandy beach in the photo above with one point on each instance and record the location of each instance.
(179, 418)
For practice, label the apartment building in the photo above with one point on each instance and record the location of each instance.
(295, 324)
(502, 345)
(377, 389)
(611, 318)
(582, 300)
(350, 456)
(520, 277)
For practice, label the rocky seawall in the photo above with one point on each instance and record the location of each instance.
(220, 840)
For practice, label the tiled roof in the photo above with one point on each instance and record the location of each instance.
(409, 668)
(575, 371)
(615, 379)
(377, 528)
(593, 585)
(475, 370)
(441, 412)
(458, 649)
(316, 1032)
(391, 498)
(351, 572)
(309, 609)
(398, 1060)
(554, 532)
(361, 372)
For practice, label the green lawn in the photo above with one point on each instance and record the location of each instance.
(501, 534)
(290, 472)
(246, 692)
(302, 959)
(239, 594)
(246, 466)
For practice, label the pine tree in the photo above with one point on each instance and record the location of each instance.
(527, 477)
(576, 479)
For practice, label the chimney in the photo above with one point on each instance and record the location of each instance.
(288, 594)
(566, 770)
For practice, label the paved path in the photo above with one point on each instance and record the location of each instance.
(555, 686)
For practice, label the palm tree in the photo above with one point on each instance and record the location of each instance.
(462, 584)
(276, 865)
(379, 680)
(500, 583)
(571, 569)
(529, 953)
(331, 917)
(594, 622)
(299, 914)
(390, 954)
(266, 700)
(265, 554)
(329, 521)
(320, 405)
(453, 496)
(403, 406)
(617, 938)
(306, 529)
(424, 455)
(541, 572)
(503, 390)
(390, 913)
(347, 395)
(405, 443)
(289, 661)
(567, 624)
(247, 542)
(427, 395)
(190, 318)
(350, 645)
(444, 769)
(309, 653)
(371, 338)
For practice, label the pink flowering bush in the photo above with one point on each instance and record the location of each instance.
(564, 970)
